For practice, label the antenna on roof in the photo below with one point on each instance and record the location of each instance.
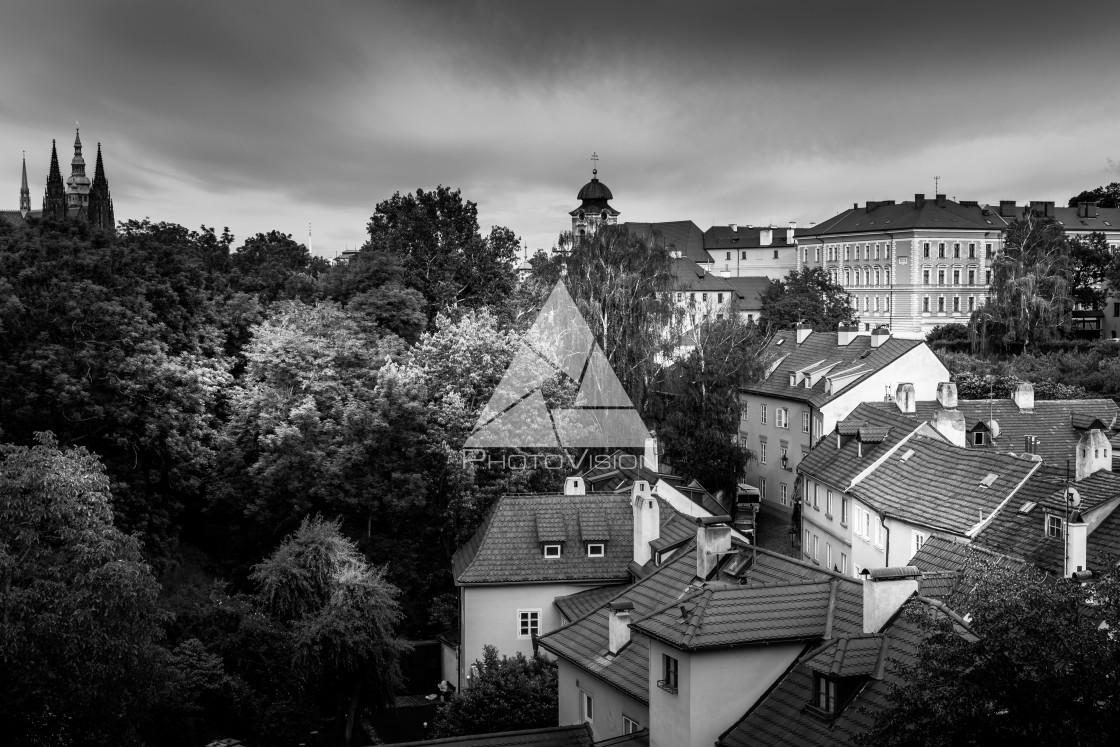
(936, 181)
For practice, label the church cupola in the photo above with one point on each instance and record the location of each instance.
(77, 186)
(54, 198)
(24, 192)
(100, 210)
(594, 209)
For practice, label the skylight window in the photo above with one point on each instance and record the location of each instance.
(1027, 507)
(909, 453)
(987, 481)
(779, 341)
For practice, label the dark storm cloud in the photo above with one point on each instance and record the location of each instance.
(710, 111)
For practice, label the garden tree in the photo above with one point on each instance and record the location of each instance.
(373, 285)
(1043, 671)
(435, 236)
(275, 266)
(1105, 197)
(700, 422)
(621, 284)
(1091, 264)
(1030, 298)
(806, 296)
(948, 333)
(78, 615)
(117, 344)
(509, 693)
(341, 615)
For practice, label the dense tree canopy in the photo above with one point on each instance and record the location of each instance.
(806, 296)
(1105, 197)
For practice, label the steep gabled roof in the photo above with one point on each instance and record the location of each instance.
(750, 290)
(507, 547)
(943, 487)
(682, 236)
(857, 356)
(839, 466)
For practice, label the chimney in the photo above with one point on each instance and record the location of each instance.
(1023, 397)
(947, 395)
(950, 424)
(649, 458)
(940, 200)
(575, 486)
(919, 201)
(1082, 210)
(845, 333)
(618, 627)
(879, 335)
(734, 227)
(766, 236)
(1030, 445)
(1077, 539)
(1049, 208)
(791, 232)
(885, 590)
(905, 398)
(871, 205)
(713, 537)
(803, 332)
(647, 520)
(1007, 208)
(1094, 453)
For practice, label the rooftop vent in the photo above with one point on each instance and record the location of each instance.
(1027, 507)
(987, 481)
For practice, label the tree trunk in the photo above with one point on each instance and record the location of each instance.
(352, 712)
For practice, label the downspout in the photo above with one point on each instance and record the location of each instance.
(890, 292)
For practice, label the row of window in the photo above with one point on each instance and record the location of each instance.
(783, 491)
(851, 277)
(926, 249)
(781, 416)
(703, 297)
(556, 549)
(956, 304)
(872, 303)
(812, 547)
(862, 251)
(814, 499)
(744, 255)
(926, 274)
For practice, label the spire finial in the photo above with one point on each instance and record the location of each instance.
(594, 162)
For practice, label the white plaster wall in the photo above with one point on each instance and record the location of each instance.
(610, 703)
(920, 367)
(670, 722)
(865, 553)
(827, 527)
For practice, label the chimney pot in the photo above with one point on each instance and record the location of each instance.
(885, 590)
(575, 486)
(618, 625)
(950, 424)
(803, 331)
(947, 395)
(845, 333)
(880, 335)
(906, 398)
(647, 520)
(713, 537)
(1023, 397)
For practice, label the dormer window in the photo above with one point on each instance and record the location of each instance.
(1054, 526)
(552, 549)
(824, 694)
(978, 438)
(596, 549)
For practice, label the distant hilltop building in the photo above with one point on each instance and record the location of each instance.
(78, 197)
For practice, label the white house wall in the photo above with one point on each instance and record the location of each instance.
(610, 705)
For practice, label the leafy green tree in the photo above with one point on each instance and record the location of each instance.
(435, 236)
(341, 615)
(78, 615)
(273, 265)
(702, 408)
(1105, 197)
(1043, 671)
(1090, 263)
(806, 296)
(509, 693)
(1031, 295)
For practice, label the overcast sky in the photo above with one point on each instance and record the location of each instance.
(270, 115)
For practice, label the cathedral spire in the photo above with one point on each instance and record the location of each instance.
(77, 186)
(54, 199)
(100, 211)
(24, 192)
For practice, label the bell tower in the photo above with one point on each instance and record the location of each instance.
(77, 186)
(100, 210)
(594, 209)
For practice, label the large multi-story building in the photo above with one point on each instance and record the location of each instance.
(912, 265)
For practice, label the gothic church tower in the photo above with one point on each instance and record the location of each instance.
(77, 186)
(100, 209)
(24, 193)
(54, 199)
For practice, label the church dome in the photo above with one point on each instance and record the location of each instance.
(595, 190)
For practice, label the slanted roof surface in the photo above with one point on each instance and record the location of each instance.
(575, 606)
(689, 276)
(839, 466)
(949, 215)
(750, 290)
(682, 236)
(722, 238)
(1051, 420)
(507, 547)
(552, 736)
(939, 486)
(823, 346)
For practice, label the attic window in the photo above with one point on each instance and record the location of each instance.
(824, 690)
(1054, 526)
(779, 341)
(596, 549)
(978, 438)
(987, 481)
(909, 453)
(1027, 507)
(552, 549)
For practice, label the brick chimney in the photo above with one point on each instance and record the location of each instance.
(713, 537)
(1094, 453)
(575, 486)
(905, 398)
(950, 424)
(1023, 397)
(919, 201)
(618, 627)
(1077, 541)
(845, 333)
(941, 200)
(803, 332)
(885, 590)
(947, 395)
(766, 236)
(647, 520)
(879, 335)
(1007, 208)
(791, 232)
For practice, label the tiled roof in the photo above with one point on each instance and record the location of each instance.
(942, 556)
(908, 214)
(784, 718)
(1019, 529)
(822, 347)
(722, 238)
(839, 466)
(575, 606)
(940, 486)
(584, 642)
(507, 547)
(1105, 220)
(552, 736)
(689, 276)
(616, 479)
(634, 739)
(750, 290)
(682, 236)
(1053, 421)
